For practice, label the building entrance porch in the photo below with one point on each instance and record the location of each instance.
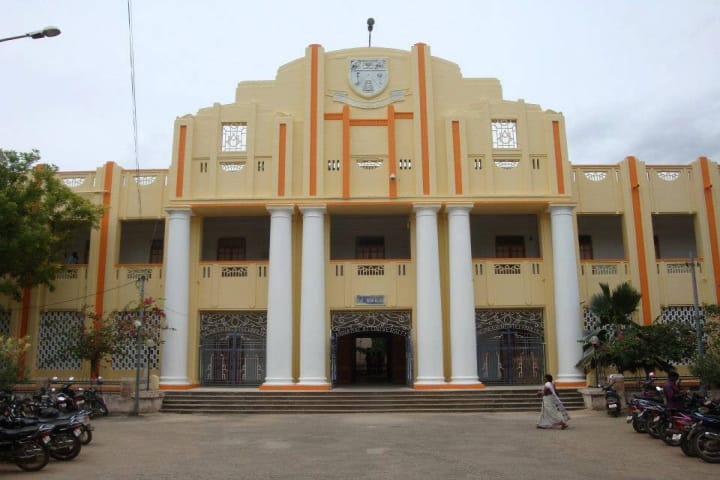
(371, 347)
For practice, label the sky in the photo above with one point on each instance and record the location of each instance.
(631, 77)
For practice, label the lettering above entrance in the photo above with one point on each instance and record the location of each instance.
(355, 321)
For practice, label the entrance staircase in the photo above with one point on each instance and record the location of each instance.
(401, 400)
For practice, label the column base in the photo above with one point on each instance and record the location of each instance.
(175, 383)
(465, 384)
(304, 387)
(571, 381)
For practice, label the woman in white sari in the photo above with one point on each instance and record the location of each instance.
(553, 413)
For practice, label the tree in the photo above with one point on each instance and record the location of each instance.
(38, 217)
(627, 345)
(652, 347)
(707, 367)
(615, 308)
(98, 338)
(11, 352)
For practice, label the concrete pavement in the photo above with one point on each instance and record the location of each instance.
(369, 446)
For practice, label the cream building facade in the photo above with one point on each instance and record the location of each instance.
(372, 216)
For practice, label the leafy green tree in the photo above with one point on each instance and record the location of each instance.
(707, 367)
(11, 352)
(38, 217)
(652, 347)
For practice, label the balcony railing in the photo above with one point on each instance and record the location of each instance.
(509, 281)
(367, 283)
(236, 285)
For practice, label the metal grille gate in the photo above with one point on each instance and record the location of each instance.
(233, 359)
(510, 359)
(510, 346)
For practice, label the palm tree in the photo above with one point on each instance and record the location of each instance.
(615, 308)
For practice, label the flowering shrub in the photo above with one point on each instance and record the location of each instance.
(100, 338)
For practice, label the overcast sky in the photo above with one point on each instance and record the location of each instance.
(631, 77)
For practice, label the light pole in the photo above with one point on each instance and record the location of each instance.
(45, 32)
(138, 347)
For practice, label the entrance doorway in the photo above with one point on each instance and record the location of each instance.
(371, 358)
(371, 347)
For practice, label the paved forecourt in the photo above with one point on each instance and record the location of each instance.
(369, 446)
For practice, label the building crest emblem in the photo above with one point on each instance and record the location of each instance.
(368, 76)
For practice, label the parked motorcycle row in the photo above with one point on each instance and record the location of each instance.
(52, 423)
(694, 428)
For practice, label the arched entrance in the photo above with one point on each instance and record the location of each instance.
(371, 347)
(510, 346)
(232, 348)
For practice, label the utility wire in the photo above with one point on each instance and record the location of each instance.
(134, 106)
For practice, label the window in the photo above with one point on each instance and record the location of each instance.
(504, 134)
(234, 137)
(370, 247)
(156, 251)
(586, 249)
(509, 246)
(231, 249)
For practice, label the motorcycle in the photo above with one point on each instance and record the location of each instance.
(65, 431)
(612, 400)
(93, 400)
(26, 447)
(706, 438)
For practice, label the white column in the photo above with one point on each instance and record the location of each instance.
(313, 325)
(429, 351)
(463, 341)
(174, 359)
(567, 297)
(280, 299)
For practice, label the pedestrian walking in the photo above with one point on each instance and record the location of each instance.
(553, 413)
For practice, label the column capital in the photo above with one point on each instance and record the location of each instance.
(560, 208)
(278, 208)
(180, 209)
(305, 209)
(426, 207)
(458, 207)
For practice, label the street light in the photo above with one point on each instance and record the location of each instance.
(45, 32)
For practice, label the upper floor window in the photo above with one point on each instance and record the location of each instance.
(369, 247)
(509, 246)
(156, 250)
(231, 248)
(586, 249)
(504, 134)
(234, 137)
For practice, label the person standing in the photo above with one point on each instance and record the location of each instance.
(553, 413)
(672, 392)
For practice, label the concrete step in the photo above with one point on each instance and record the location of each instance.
(405, 400)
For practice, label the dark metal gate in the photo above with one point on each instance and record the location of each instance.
(233, 359)
(510, 346)
(232, 347)
(510, 359)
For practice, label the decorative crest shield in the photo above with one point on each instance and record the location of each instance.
(368, 76)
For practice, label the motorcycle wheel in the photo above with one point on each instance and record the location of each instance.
(687, 443)
(65, 447)
(655, 429)
(708, 446)
(86, 436)
(640, 426)
(672, 439)
(31, 456)
(100, 406)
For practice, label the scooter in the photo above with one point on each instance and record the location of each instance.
(612, 400)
